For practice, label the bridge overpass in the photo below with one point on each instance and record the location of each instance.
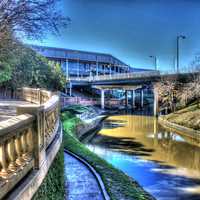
(129, 82)
(132, 78)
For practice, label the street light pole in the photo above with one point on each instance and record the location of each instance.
(177, 50)
(155, 61)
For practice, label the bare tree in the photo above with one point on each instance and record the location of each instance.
(167, 91)
(32, 18)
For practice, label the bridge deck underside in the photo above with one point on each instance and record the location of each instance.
(122, 82)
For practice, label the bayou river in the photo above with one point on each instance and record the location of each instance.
(165, 163)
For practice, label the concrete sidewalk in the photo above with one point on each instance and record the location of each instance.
(80, 183)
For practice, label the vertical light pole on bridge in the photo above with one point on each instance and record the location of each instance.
(177, 50)
(155, 62)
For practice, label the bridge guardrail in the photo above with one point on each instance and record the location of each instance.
(117, 76)
(89, 101)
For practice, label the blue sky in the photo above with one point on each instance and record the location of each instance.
(132, 30)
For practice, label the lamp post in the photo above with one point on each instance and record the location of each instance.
(177, 50)
(155, 61)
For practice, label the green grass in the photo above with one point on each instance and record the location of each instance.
(188, 117)
(118, 184)
(52, 188)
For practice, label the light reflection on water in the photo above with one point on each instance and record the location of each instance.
(165, 163)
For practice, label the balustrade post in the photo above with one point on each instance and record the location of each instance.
(25, 154)
(38, 131)
(18, 147)
(4, 165)
(29, 137)
(12, 155)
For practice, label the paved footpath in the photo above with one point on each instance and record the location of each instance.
(80, 182)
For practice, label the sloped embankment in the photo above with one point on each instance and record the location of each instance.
(187, 117)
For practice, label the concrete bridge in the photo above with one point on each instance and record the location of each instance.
(30, 137)
(129, 82)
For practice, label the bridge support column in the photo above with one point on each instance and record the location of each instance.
(102, 98)
(142, 98)
(126, 98)
(67, 69)
(70, 89)
(133, 98)
(155, 107)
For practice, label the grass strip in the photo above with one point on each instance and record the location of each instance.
(52, 187)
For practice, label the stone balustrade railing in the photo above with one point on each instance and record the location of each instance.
(16, 151)
(51, 119)
(33, 95)
(25, 138)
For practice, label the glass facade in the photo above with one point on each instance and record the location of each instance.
(81, 63)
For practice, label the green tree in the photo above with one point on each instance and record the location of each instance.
(57, 78)
(19, 65)
(8, 56)
(36, 71)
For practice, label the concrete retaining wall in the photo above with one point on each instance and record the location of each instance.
(89, 125)
(194, 134)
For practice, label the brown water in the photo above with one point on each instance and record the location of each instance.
(165, 163)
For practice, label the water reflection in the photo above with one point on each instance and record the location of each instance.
(167, 164)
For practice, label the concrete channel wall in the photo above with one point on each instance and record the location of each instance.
(188, 132)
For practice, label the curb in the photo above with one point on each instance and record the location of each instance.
(94, 172)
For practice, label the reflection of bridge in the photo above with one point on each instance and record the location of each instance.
(29, 141)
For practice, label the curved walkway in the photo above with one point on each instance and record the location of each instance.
(80, 182)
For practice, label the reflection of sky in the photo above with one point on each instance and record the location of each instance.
(132, 29)
(131, 165)
(162, 181)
